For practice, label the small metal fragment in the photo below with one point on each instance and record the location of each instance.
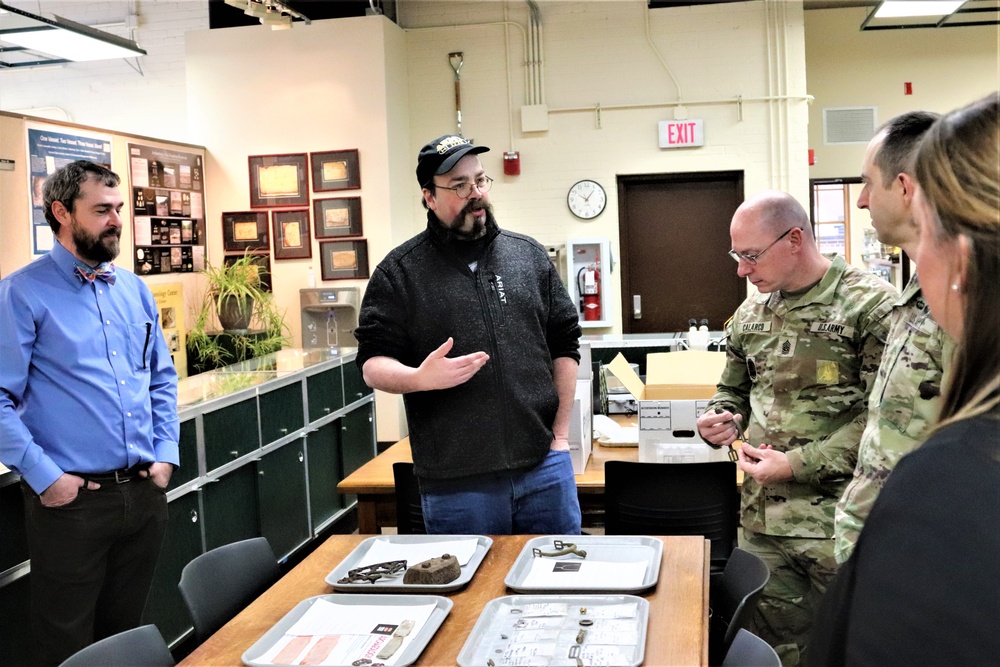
(372, 573)
(560, 549)
(580, 636)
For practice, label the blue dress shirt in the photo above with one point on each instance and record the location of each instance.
(86, 379)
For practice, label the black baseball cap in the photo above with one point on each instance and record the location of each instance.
(441, 155)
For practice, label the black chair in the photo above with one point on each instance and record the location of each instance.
(674, 499)
(733, 599)
(409, 511)
(749, 650)
(139, 647)
(219, 583)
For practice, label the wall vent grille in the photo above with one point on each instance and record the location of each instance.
(849, 125)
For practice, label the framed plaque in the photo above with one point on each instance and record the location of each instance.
(341, 260)
(291, 234)
(278, 181)
(337, 217)
(245, 230)
(335, 170)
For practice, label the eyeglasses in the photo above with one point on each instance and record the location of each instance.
(752, 259)
(464, 190)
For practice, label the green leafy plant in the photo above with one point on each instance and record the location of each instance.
(259, 328)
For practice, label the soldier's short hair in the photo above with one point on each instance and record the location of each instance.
(901, 136)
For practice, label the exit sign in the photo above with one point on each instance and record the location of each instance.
(682, 133)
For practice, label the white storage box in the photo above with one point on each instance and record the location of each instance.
(678, 387)
(581, 426)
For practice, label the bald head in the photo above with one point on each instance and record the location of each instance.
(774, 212)
(773, 242)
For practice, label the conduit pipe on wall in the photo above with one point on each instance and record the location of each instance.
(536, 90)
(659, 56)
(739, 100)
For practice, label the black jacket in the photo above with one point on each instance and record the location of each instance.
(513, 307)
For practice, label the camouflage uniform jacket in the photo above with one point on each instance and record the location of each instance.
(903, 405)
(799, 371)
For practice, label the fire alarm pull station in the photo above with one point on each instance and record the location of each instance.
(512, 163)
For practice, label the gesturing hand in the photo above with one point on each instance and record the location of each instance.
(437, 371)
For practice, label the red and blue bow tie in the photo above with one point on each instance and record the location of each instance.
(104, 271)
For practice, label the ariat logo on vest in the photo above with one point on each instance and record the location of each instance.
(755, 327)
(500, 290)
(832, 327)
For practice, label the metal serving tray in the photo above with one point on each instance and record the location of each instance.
(496, 627)
(607, 548)
(395, 584)
(409, 654)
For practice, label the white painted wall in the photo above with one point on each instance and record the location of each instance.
(366, 83)
(948, 67)
(596, 53)
(111, 93)
(331, 85)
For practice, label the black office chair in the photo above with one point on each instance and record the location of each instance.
(749, 650)
(733, 599)
(139, 647)
(219, 583)
(409, 511)
(674, 499)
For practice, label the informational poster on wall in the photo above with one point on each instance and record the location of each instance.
(168, 200)
(49, 148)
(170, 300)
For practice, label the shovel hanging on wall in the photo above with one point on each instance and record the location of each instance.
(456, 61)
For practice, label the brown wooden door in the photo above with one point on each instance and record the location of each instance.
(674, 231)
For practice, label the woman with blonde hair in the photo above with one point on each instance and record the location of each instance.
(923, 585)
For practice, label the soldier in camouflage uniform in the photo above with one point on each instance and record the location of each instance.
(905, 398)
(801, 359)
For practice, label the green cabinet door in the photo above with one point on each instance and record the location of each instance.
(281, 412)
(357, 440)
(182, 543)
(325, 472)
(281, 488)
(188, 446)
(16, 648)
(14, 544)
(326, 392)
(231, 507)
(354, 384)
(230, 432)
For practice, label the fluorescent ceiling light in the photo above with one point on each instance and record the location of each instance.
(892, 9)
(61, 37)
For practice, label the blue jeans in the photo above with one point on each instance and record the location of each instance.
(540, 501)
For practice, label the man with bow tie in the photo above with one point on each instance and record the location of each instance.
(88, 418)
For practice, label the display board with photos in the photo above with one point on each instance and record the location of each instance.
(168, 204)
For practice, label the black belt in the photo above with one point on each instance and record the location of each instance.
(120, 476)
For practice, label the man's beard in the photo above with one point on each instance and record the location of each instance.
(102, 248)
(455, 226)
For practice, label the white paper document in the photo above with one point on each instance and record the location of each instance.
(413, 553)
(584, 574)
(337, 634)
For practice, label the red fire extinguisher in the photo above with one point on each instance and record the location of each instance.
(589, 283)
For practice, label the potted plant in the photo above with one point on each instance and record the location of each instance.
(248, 320)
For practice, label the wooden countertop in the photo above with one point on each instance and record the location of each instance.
(678, 614)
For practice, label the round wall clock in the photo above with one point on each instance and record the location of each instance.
(586, 199)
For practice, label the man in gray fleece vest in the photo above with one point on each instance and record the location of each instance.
(473, 326)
